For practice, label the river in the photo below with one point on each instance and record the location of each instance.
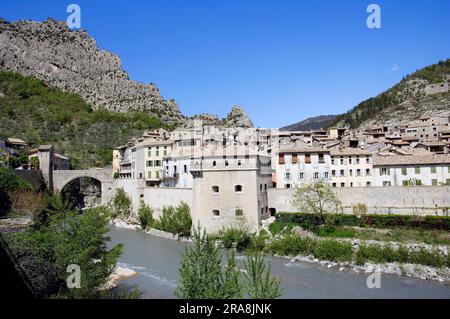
(157, 260)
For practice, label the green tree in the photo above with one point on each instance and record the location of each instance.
(316, 198)
(121, 203)
(258, 281)
(81, 239)
(201, 275)
(146, 217)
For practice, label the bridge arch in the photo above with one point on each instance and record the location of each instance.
(61, 178)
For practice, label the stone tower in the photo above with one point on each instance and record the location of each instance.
(45, 155)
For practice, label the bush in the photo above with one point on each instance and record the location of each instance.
(333, 250)
(238, 238)
(359, 209)
(10, 181)
(121, 203)
(292, 245)
(146, 217)
(311, 221)
(387, 254)
(176, 220)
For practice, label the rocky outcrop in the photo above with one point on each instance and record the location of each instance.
(237, 117)
(71, 61)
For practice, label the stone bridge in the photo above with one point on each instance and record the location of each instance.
(63, 177)
(57, 179)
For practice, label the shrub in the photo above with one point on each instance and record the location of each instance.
(238, 238)
(292, 245)
(176, 220)
(311, 221)
(28, 201)
(359, 209)
(121, 203)
(145, 215)
(333, 250)
(10, 181)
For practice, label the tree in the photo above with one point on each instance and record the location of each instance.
(317, 198)
(145, 215)
(80, 239)
(201, 275)
(121, 203)
(259, 283)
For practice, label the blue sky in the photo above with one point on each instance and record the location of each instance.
(282, 61)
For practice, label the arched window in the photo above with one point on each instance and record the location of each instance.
(216, 212)
(215, 189)
(238, 188)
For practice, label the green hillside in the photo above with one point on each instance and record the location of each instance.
(40, 114)
(372, 107)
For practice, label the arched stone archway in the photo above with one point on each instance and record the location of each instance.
(63, 177)
(83, 192)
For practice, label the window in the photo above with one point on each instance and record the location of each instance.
(157, 151)
(149, 174)
(333, 173)
(368, 184)
(287, 186)
(260, 187)
(157, 174)
(185, 169)
(385, 171)
(265, 187)
(288, 175)
(239, 163)
(405, 183)
(149, 163)
(321, 159)
(358, 172)
(302, 175)
(350, 172)
(334, 184)
(165, 150)
(307, 158)
(214, 163)
(357, 159)
(404, 171)
(149, 152)
(239, 212)
(433, 170)
(316, 175)
(216, 212)
(342, 184)
(342, 172)
(238, 188)
(368, 172)
(417, 170)
(157, 163)
(434, 182)
(226, 163)
(326, 175)
(386, 183)
(215, 189)
(342, 160)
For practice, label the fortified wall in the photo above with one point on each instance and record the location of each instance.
(424, 200)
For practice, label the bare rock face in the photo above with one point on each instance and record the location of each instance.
(237, 117)
(71, 61)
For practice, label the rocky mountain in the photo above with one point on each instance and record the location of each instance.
(70, 60)
(311, 123)
(236, 117)
(423, 93)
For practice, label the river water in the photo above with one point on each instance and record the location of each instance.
(157, 260)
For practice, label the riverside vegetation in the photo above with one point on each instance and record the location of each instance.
(57, 238)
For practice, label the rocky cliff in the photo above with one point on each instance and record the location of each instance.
(71, 61)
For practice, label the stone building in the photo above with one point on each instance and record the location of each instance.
(230, 188)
